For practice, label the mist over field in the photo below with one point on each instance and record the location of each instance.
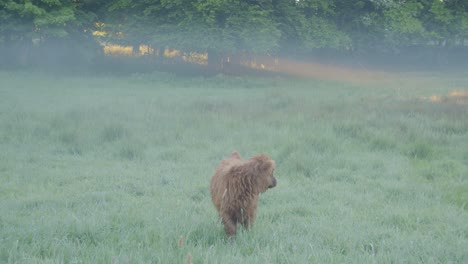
(114, 115)
(221, 35)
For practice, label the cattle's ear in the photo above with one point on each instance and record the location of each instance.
(264, 163)
(267, 165)
(235, 155)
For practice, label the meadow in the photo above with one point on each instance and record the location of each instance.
(116, 169)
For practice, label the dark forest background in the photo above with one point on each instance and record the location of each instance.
(69, 34)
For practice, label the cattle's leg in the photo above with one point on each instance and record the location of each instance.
(230, 226)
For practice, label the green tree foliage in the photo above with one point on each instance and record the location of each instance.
(390, 25)
(221, 25)
(308, 24)
(44, 19)
(251, 28)
(401, 24)
(446, 21)
(318, 28)
(235, 26)
(26, 26)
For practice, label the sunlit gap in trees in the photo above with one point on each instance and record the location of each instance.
(264, 63)
(258, 62)
(116, 50)
(145, 50)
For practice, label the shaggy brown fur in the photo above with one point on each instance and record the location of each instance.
(235, 187)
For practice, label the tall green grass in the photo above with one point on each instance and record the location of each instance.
(117, 170)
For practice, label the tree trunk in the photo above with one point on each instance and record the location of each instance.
(215, 61)
(136, 49)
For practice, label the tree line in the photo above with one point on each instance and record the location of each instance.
(220, 27)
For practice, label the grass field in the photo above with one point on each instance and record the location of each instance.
(117, 169)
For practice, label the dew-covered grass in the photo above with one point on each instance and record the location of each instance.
(117, 169)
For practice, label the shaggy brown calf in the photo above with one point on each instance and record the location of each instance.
(235, 187)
